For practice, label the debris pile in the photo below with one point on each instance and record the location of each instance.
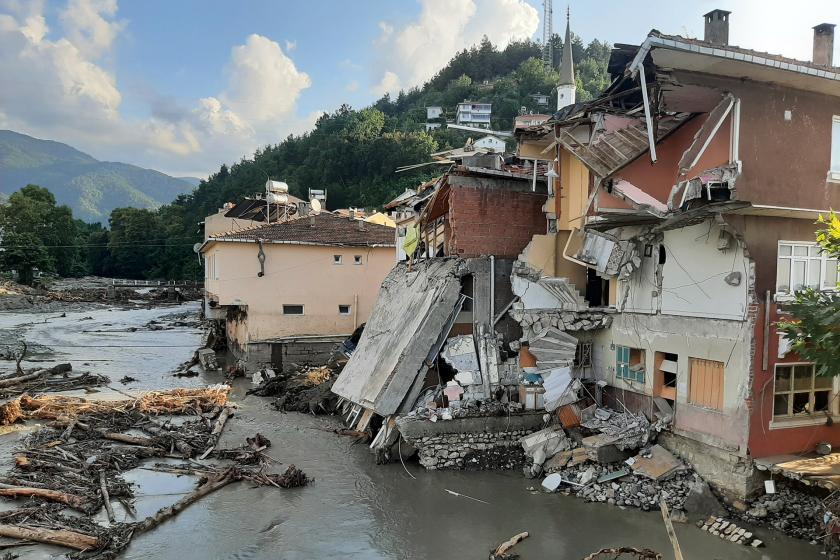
(77, 462)
(304, 390)
(792, 512)
(53, 379)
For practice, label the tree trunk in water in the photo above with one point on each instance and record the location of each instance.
(70, 539)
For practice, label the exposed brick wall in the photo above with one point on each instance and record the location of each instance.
(493, 221)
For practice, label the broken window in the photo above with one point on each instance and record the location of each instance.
(344, 309)
(357, 259)
(665, 375)
(705, 383)
(834, 170)
(798, 391)
(802, 265)
(630, 364)
(336, 259)
(292, 309)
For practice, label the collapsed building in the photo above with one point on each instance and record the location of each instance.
(685, 207)
(647, 258)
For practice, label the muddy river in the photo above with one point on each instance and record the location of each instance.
(354, 508)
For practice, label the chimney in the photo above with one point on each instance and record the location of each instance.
(312, 220)
(717, 27)
(824, 44)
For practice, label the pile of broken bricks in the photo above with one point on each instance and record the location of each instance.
(727, 530)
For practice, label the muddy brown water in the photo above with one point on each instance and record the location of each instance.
(354, 508)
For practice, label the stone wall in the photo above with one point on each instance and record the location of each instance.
(472, 451)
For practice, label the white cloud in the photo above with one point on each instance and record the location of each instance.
(58, 89)
(390, 83)
(89, 26)
(413, 54)
(352, 86)
(290, 45)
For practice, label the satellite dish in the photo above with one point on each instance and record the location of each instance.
(316, 205)
(197, 248)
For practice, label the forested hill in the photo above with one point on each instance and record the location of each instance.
(352, 153)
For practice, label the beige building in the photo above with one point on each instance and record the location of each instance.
(293, 289)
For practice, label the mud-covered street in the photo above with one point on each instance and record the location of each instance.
(353, 508)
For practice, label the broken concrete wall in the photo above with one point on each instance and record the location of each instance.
(236, 330)
(728, 342)
(410, 314)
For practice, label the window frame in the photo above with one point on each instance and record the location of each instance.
(821, 256)
(622, 367)
(338, 259)
(349, 309)
(302, 309)
(358, 260)
(808, 418)
(834, 144)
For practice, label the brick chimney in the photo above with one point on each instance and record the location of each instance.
(717, 27)
(824, 44)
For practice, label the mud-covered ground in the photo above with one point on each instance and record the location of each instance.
(354, 508)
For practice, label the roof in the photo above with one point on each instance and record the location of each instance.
(328, 229)
(728, 60)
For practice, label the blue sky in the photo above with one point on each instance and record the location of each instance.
(183, 86)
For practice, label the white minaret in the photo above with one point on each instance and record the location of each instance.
(566, 89)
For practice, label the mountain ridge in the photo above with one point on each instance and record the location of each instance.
(90, 187)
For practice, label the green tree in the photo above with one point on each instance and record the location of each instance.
(814, 323)
(31, 221)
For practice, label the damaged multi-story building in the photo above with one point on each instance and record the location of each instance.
(680, 220)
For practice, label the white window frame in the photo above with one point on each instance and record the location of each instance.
(820, 256)
(834, 144)
(216, 265)
(302, 309)
(817, 418)
(349, 309)
(357, 259)
(337, 259)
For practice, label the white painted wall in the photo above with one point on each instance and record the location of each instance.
(694, 271)
(491, 143)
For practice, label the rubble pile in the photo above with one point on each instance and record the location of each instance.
(792, 512)
(306, 390)
(616, 485)
(471, 451)
(53, 379)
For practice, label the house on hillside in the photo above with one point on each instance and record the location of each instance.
(491, 143)
(289, 291)
(470, 113)
(691, 257)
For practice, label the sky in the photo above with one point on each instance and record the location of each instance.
(184, 86)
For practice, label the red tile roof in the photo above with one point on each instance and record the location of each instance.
(317, 229)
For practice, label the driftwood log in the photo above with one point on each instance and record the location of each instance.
(61, 537)
(72, 500)
(501, 551)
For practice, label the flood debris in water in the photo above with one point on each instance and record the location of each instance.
(52, 379)
(307, 389)
(502, 551)
(77, 461)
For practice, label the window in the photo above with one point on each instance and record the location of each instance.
(292, 309)
(344, 310)
(630, 364)
(705, 383)
(801, 265)
(336, 259)
(357, 259)
(834, 170)
(798, 392)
